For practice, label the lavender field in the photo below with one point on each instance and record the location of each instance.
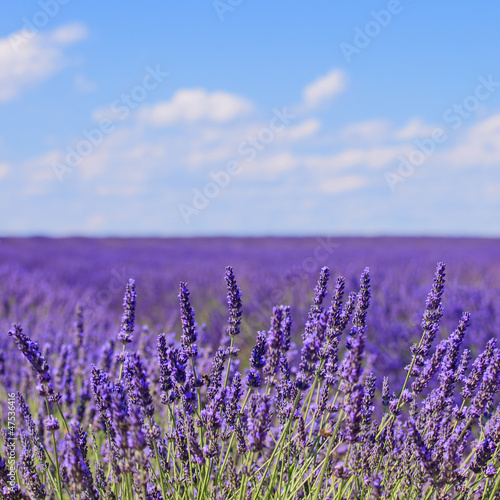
(308, 368)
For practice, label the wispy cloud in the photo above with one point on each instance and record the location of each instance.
(343, 184)
(36, 60)
(195, 105)
(4, 169)
(324, 89)
(479, 146)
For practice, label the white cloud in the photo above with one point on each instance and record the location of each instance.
(324, 88)
(68, 34)
(200, 157)
(377, 131)
(39, 174)
(343, 184)
(95, 222)
(479, 147)
(25, 62)
(413, 129)
(302, 130)
(4, 169)
(368, 131)
(195, 105)
(374, 158)
(272, 166)
(84, 85)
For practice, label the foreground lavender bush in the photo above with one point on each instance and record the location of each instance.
(182, 420)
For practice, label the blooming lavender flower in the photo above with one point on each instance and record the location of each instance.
(274, 343)
(368, 394)
(258, 421)
(65, 376)
(448, 375)
(362, 303)
(253, 378)
(351, 369)
(430, 368)
(354, 413)
(478, 368)
(335, 311)
(76, 464)
(484, 451)
(310, 353)
(32, 428)
(432, 314)
(234, 395)
(234, 302)
(51, 424)
(32, 353)
(463, 365)
(211, 418)
(257, 358)
(128, 319)
(320, 292)
(189, 333)
(138, 378)
(101, 388)
(215, 376)
(489, 386)
(118, 416)
(79, 327)
(286, 326)
(28, 468)
(136, 437)
(166, 382)
(385, 391)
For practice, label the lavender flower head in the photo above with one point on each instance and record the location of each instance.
(320, 291)
(258, 421)
(432, 314)
(189, 333)
(39, 364)
(128, 318)
(76, 463)
(362, 304)
(32, 353)
(234, 302)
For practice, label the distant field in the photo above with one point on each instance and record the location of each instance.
(42, 281)
(152, 370)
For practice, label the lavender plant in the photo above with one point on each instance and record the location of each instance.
(312, 421)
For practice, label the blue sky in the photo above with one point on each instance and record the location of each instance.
(239, 117)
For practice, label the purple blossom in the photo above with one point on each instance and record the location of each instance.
(128, 318)
(259, 416)
(234, 302)
(189, 333)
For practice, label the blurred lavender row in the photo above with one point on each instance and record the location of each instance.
(43, 280)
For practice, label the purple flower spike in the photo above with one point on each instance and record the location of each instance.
(234, 302)
(258, 421)
(433, 313)
(32, 353)
(128, 318)
(189, 333)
